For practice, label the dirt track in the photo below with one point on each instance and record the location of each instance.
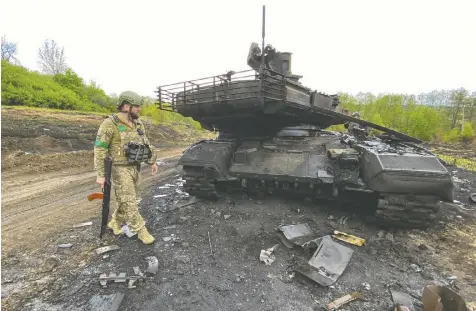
(42, 200)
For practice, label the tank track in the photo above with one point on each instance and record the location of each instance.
(407, 211)
(198, 184)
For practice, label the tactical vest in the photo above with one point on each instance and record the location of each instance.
(135, 145)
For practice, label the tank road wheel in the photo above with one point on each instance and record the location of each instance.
(199, 182)
(408, 211)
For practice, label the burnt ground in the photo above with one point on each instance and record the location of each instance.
(38, 275)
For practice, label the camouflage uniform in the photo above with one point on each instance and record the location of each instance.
(112, 135)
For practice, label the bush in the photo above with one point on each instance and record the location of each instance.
(467, 133)
(22, 87)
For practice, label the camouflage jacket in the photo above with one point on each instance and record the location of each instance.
(112, 135)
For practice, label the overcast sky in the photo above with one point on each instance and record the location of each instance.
(377, 46)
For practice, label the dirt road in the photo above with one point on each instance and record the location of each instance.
(35, 207)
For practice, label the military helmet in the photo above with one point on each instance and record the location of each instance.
(130, 98)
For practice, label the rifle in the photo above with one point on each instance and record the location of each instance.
(107, 194)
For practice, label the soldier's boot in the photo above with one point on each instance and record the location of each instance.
(145, 236)
(114, 226)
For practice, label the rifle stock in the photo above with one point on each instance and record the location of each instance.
(107, 194)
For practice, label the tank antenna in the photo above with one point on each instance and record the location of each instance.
(262, 35)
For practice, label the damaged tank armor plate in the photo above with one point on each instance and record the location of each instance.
(273, 139)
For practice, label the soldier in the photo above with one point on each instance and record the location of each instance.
(122, 137)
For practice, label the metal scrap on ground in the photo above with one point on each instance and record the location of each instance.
(351, 239)
(105, 302)
(83, 224)
(293, 235)
(343, 300)
(328, 262)
(442, 298)
(153, 264)
(105, 249)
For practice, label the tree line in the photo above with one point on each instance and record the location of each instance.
(439, 115)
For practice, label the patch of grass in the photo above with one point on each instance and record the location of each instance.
(467, 164)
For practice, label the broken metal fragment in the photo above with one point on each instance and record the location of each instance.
(328, 262)
(292, 235)
(83, 224)
(121, 278)
(442, 298)
(105, 249)
(67, 245)
(343, 300)
(351, 239)
(105, 302)
(153, 264)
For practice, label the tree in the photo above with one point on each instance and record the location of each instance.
(51, 58)
(9, 50)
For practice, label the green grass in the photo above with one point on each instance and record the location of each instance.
(467, 164)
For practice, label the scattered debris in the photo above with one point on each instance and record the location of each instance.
(226, 216)
(105, 302)
(182, 192)
(83, 224)
(439, 298)
(292, 235)
(164, 187)
(328, 262)
(343, 300)
(160, 196)
(380, 234)
(366, 285)
(153, 264)
(167, 238)
(402, 300)
(267, 256)
(67, 245)
(168, 208)
(105, 249)
(331, 217)
(121, 278)
(343, 220)
(351, 239)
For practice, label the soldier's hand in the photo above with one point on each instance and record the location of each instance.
(100, 181)
(154, 168)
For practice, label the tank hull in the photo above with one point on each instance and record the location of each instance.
(402, 183)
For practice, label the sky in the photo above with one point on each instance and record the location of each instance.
(351, 46)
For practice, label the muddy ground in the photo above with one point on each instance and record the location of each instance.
(42, 200)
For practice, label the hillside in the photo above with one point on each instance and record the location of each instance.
(44, 140)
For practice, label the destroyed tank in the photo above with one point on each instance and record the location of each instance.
(273, 138)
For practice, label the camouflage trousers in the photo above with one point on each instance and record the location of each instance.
(125, 179)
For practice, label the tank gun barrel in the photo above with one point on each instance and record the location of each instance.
(384, 129)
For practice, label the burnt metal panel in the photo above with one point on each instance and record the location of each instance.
(105, 302)
(406, 173)
(212, 154)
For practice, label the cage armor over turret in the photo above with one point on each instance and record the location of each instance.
(273, 138)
